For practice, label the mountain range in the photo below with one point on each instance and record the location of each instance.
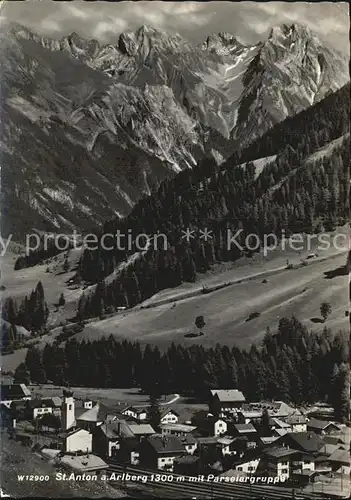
(89, 129)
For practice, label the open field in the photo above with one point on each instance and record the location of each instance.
(296, 292)
(169, 315)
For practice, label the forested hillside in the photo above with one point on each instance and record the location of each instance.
(299, 190)
(292, 364)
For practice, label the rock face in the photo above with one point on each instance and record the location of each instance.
(87, 128)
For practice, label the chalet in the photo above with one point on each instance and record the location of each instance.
(88, 404)
(36, 408)
(95, 416)
(190, 443)
(107, 439)
(321, 427)
(298, 423)
(14, 392)
(225, 400)
(76, 440)
(248, 466)
(180, 430)
(169, 416)
(227, 444)
(160, 452)
(219, 427)
(340, 461)
(278, 409)
(136, 413)
(307, 442)
(277, 462)
(249, 432)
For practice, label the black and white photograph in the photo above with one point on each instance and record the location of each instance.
(175, 250)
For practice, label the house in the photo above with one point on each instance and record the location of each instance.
(137, 413)
(247, 416)
(36, 408)
(190, 443)
(179, 430)
(277, 462)
(340, 461)
(225, 400)
(169, 417)
(276, 423)
(278, 409)
(227, 444)
(13, 392)
(75, 440)
(95, 416)
(160, 452)
(249, 466)
(82, 463)
(88, 404)
(307, 442)
(321, 427)
(220, 427)
(298, 423)
(107, 439)
(248, 431)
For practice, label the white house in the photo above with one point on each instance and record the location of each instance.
(298, 423)
(249, 467)
(219, 427)
(137, 413)
(77, 440)
(169, 417)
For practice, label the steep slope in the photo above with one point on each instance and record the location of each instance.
(294, 192)
(290, 72)
(88, 129)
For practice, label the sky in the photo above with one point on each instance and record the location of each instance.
(248, 21)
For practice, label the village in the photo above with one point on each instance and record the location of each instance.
(239, 447)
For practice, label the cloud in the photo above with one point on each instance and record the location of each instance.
(249, 21)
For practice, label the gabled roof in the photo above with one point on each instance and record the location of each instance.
(314, 423)
(228, 395)
(296, 419)
(281, 432)
(71, 432)
(309, 442)
(166, 444)
(245, 428)
(226, 440)
(141, 429)
(165, 412)
(40, 403)
(115, 429)
(274, 421)
(97, 413)
(341, 456)
(178, 427)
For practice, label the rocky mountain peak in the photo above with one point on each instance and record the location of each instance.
(222, 43)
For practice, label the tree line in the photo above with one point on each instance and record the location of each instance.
(295, 192)
(32, 313)
(292, 364)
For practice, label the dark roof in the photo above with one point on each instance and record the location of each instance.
(166, 444)
(13, 391)
(296, 419)
(304, 441)
(314, 423)
(41, 403)
(279, 452)
(188, 439)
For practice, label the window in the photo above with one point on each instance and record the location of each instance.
(284, 463)
(284, 470)
(239, 468)
(70, 407)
